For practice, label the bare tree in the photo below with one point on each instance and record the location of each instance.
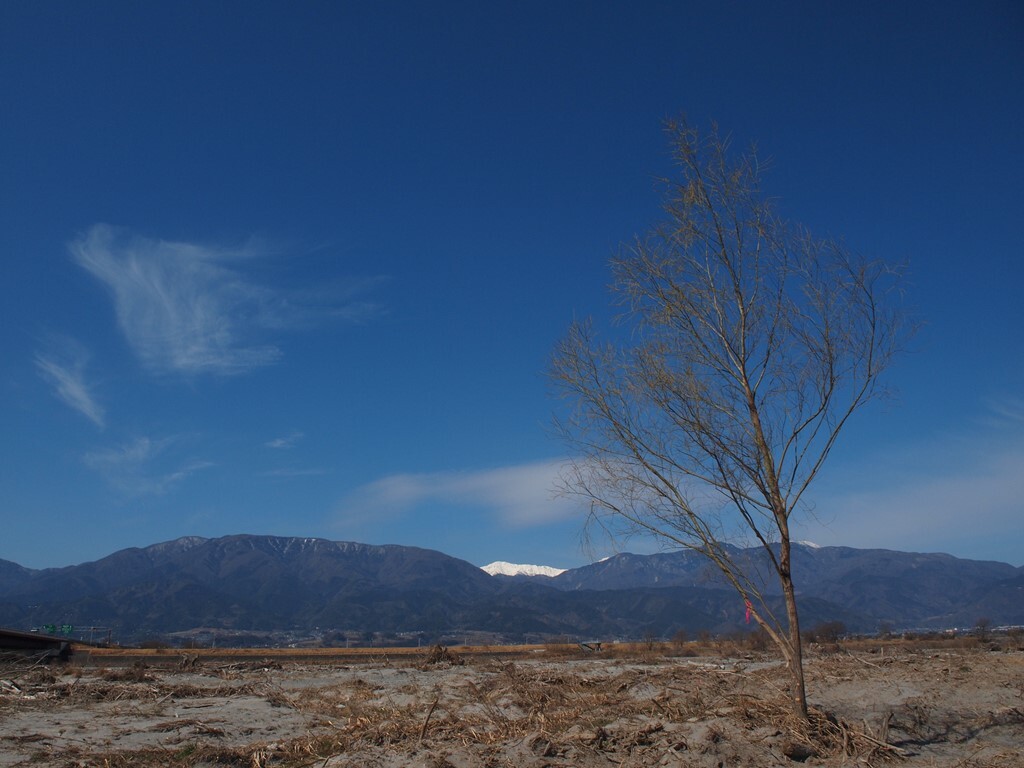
(750, 345)
(982, 626)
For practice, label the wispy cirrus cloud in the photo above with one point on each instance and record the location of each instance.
(285, 443)
(64, 369)
(143, 467)
(958, 493)
(1006, 411)
(191, 309)
(521, 495)
(296, 472)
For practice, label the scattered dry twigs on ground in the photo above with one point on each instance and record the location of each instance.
(584, 712)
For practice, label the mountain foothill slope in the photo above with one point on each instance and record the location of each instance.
(268, 583)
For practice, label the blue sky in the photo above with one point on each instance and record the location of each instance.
(298, 268)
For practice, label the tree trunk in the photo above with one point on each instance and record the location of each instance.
(798, 694)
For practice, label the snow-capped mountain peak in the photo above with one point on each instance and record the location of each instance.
(501, 568)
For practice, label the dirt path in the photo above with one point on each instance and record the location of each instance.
(921, 709)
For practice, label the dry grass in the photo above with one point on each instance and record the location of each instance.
(516, 701)
(562, 705)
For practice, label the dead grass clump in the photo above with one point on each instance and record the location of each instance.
(821, 735)
(81, 692)
(181, 756)
(187, 723)
(189, 661)
(438, 654)
(85, 690)
(12, 662)
(40, 676)
(136, 673)
(519, 701)
(258, 665)
(275, 695)
(354, 723)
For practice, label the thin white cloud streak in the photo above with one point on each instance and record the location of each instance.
(519, 496)
(285, 443)
(138, 468)
(961, 495)
(1007, 411)
(187, 308)
(65, 372)
(933, 507)
(311, 472)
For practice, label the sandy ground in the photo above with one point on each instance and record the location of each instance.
(917, 708)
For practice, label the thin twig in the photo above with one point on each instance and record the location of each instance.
(426, 720)
(863, 661)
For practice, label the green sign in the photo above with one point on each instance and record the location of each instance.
(65, 629)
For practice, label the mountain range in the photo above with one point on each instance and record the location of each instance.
(259, 584)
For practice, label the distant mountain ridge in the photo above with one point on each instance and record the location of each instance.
(249, 583)
(901, 588)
